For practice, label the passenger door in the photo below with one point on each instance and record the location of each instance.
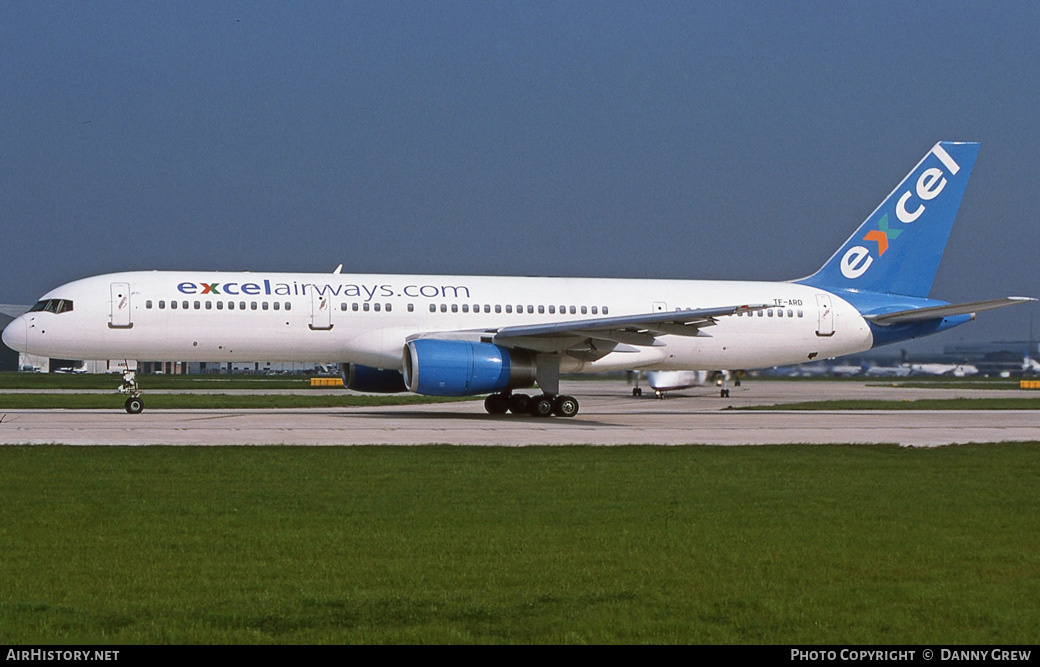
(119, 312)
(825, 314)
(321, 312)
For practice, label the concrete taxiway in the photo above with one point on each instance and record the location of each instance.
(609, 416)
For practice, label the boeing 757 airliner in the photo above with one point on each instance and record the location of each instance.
(469, 335)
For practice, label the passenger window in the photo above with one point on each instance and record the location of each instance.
(552, 310)
(220, 305)
(252, 305)
(241, 305)
(433, 308)
(387, 308)
(541, 309)
(509, 308)
(288, 305)
(465, 307)
(230, 305)
(343, 306)
(454, 307)
(584, 310)
(790, 313)
(573, 310)
(184, 305)
(375, 307)
(595, 310)
(148, 304)
(264, 305)
(411, 307)
(354, 306)
(365, 307)
(173, 305)
(605, 310)
(444, 307)
(779, 312)
(498, 308)
(487, 307)
(276, 305)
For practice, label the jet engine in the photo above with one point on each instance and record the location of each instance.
(373, 380)
(463, 368)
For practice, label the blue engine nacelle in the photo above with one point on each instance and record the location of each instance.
(374, 380)
(461, 368)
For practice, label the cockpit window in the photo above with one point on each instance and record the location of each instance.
(52, 306)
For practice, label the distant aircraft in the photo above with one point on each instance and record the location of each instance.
(955, 370)
(1030, 365)
(900, 370)
(469, 335)
(846, 370)
(662, 381)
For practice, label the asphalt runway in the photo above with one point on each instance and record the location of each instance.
(609, 416)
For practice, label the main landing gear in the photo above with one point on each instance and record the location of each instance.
(537, 406)
(551, 402)
(134, 405)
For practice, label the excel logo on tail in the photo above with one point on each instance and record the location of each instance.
(930, 183)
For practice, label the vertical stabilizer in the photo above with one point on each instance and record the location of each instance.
(898, 248)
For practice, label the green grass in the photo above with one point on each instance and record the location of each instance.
(954, 383)
(864, 545)
(906, 404)
(213, 401)
(86, 381)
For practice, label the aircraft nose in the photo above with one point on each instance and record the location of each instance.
(14, 335)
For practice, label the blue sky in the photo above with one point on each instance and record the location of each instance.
(680, 140)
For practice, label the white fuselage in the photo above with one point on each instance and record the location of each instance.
(367, 319)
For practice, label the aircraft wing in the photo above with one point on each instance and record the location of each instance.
(936, 312)
(676, 322)
(604, 334)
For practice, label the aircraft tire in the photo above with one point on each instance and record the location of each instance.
(565, 406)
(134, 405)
(496, 404)
(520, 404)
(542, 406)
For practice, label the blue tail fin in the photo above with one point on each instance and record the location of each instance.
(898, 248)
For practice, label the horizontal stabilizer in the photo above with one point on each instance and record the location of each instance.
(937, 312)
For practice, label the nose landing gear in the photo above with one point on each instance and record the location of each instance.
(134, 405)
